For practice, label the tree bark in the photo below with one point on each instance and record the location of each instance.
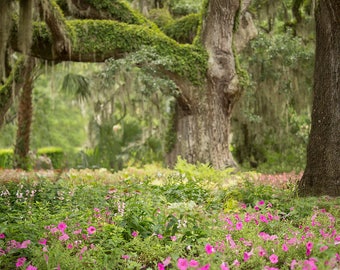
(21, 157)
(322, 174)
(202, 119)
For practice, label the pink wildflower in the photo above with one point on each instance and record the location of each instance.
(239, 226)
(224, 267)
(2, 236)
(323, 248)
(160, 266)
(173, 238)
(293, 264)
(91, 230)
(64, 237)
(167, 261)
(125, 257)
(263, 218)
(62, 226)
(25, 243)
(193, 263)
(209, 249)
(262, 252)
(69, 246)
(182, 264)
(247, 255)
(273, 258)
(77, 231)
(31, 267)
(205, 267)
(134, 234)
(284, 247)
(42, 241)
(160, 236)
(20, 262)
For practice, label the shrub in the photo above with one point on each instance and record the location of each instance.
(6, 158)
(56, 155)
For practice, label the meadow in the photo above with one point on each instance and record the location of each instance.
(192, 217)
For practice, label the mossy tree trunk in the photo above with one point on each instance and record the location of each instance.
(202, 119)
(322, 174)
(22, 145)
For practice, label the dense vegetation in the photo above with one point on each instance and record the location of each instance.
(192, 217)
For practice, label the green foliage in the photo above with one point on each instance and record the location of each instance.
(6, 158)
(185, 7)
(56, 154)
(161, 17)
(183, 29)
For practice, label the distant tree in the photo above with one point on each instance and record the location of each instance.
(322, 174)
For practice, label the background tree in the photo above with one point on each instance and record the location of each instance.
(322, 173)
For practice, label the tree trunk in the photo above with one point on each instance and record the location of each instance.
(202, 119)
(21, 157)
(322, 174)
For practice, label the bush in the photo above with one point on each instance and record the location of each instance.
(6, 158)
(56, 155)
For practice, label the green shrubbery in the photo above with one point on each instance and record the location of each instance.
(155, 218)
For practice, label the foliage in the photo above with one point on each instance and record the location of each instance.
(56, 154)
(6, 158)
(154, 218)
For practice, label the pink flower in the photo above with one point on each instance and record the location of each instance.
(309, 245)
(134, 234)
(293, 264)
(125, 257)
(284, 247)
(20, 262)
(63, 237)
(160, 266)
(209, 249)
(193, 263)
(160, 236)
(77, 231)
(263, 218)
(42, 241)
(224, 267)
(91, 230)
(260, 203)
(166, 262)
(273, 258)
(239, 226)
(262, 252)
(247, 255)
(2, 236)
(182, 264)
(205, 267)
(173, 238)
(62, 226)
(323, 248)
(25, 244)
(31, 267)
(69, 246)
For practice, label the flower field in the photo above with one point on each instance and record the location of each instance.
(191, 217)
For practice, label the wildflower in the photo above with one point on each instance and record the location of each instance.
(166, 262)
(77, 231)
(134, 234)
(173, 238)
(182, 264)
(20, 262)
(262, 252)
(260, 203)
(239, 226)
(31, 267)
(273, 258)
(224, 267)
(63, 237)
(2, 236)
(209, 249)
(125, 257)
(62, 226)
(284, 247)
(160, 266)
(25, 243)
(160, 236)
(263, 218)
(42, 241)
(91, 230)
(193, 263)
(247, 255)
(323, 248)
(293, 264)
(205, 267)
(69, 246)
